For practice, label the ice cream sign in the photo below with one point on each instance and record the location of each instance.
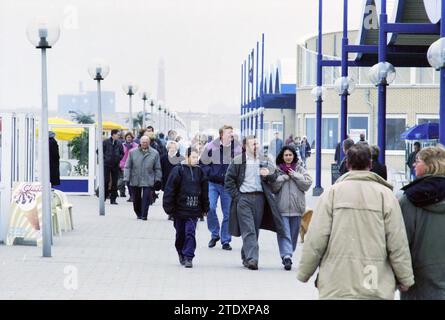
(26, 207)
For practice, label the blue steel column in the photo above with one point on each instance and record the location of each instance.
(245, 98)
(318, 190)
(256, 90)
(344, 73)
(442, 84)
(241, 109)
(252, 103)
(382, 86)
(262, 89)
(248, 97)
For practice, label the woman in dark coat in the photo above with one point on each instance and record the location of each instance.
(423, 209)
(377, 167)
(54, 158)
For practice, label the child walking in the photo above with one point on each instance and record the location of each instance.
(186, 198)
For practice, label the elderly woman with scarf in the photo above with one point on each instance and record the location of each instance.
(423, 208)
(290, 187)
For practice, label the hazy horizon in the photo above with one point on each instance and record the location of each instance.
(202, 42)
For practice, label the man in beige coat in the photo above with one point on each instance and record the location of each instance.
(357, 237)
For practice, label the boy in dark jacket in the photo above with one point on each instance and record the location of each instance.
(186, 198)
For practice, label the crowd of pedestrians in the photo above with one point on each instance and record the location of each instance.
(364, 242)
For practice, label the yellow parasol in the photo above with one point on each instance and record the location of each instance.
(68, 133)
(109, 125)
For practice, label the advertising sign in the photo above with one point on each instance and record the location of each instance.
(26, 219)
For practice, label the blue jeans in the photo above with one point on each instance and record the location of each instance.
(288, 243)
(215, 191)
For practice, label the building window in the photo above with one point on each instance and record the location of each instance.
(310, 131)
(424, 75)
(277, 126)
(329, 135)
(394, 128)
(356, 125)
(421, 119)
(403, 76)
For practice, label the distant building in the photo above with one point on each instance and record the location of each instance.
(86, 102)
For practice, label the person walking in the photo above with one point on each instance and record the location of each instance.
(186, 198)
(113, 153)
(290, 186)
(347, 144)
(423, 209)
(275, 145)
(305, 150)
(290, 140)
(143, 172)
(357, 237)
(253, 206)
(168, 162)
(412, 159)
(54, 160)
(215, 160)
(377, 167)
(128, 146)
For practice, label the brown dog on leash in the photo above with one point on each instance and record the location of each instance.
(305, 221)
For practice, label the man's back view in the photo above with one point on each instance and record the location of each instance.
(357, 237)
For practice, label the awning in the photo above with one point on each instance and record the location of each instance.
(68, 133)
(109, 125)
(424, 131)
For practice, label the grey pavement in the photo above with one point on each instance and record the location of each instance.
(119, 257)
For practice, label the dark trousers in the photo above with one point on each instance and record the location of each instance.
(185, 236)
(121, 182)
(113, 174)
(141, 200)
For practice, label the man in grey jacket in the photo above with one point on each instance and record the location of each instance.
(253, 206)
(143, 172)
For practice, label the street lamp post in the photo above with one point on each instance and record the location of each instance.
(130, 89)
(144, 97)
(382, 74)
(318, 93)
(344, 87)
(152, 119)
(43, 35)
(99, 71)
(160, 111)
(165, 120)
(436, 58)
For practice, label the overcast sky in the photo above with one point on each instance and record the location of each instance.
(203, 43)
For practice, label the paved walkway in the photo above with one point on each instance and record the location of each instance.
(119, 257)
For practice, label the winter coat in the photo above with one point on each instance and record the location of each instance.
(143, 169)
(305, 150)
(216, 158)
(272, 219)
(186, 193)
(54, 162)
(357, 238)
(380, 169)
(167, 165)
(423, 208)
(127, 149)
(290, 191)
(113, 152)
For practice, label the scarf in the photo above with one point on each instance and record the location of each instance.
(286, 167)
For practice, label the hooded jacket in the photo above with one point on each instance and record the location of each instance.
(358, 240)
(423, 208)
(186, 194)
